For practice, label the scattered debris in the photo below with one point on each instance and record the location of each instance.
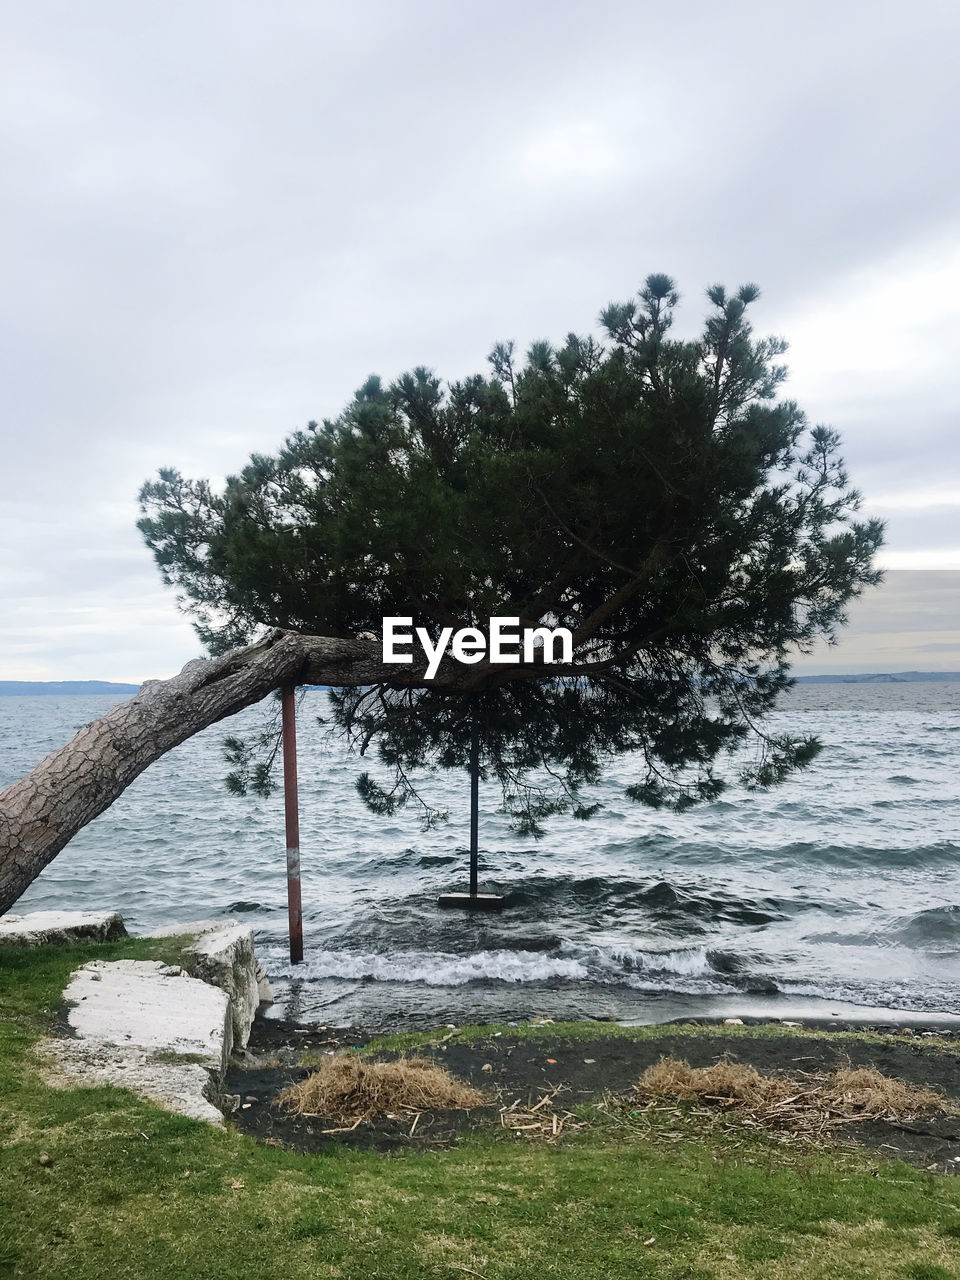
(532, 1120)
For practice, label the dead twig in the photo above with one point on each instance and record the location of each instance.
(349, 1129)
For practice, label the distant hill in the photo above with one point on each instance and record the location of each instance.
(60, 688)
(900, 677)
(35, 688)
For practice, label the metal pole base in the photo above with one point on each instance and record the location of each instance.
(472, 901)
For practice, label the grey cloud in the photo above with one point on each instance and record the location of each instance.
(897, 626)
(218, 219)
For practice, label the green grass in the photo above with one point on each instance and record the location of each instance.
(592, 1030)
(133, 1192)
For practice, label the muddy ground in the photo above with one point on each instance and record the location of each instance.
(586, 1069)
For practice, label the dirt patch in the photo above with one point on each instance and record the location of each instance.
(523, 1071)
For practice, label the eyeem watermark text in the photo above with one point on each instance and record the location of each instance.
(506, 643)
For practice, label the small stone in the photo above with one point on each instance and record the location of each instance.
(733, 1022)
(589, 1061)
(251, 1097)
(44, 1159)
(487, 1066)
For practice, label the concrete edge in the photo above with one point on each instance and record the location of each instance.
(153, 1028)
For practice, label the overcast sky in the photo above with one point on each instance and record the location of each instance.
(218, 218)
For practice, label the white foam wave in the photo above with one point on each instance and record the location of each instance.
(438, 968)
(445, 969)
(685, 961)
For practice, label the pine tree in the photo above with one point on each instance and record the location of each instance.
(655, 495)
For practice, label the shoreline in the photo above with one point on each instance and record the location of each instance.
(389, 1008)
(583, 1062)
(99, 1180)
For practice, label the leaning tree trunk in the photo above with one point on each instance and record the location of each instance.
(43, 811)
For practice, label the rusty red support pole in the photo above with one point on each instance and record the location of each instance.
(292, 815)
(474, 802)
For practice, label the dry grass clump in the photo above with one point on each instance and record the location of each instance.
(872, 1093)
(348, 1087)
(810, 1104)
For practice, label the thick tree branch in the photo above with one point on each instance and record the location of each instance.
(41, 813)
(655, 561)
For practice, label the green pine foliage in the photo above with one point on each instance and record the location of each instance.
(658, 496)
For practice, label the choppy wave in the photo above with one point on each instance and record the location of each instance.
(866, 855)
(661, 900)
(937, 926)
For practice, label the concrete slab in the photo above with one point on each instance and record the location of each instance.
(164, 1031)
(181, 928)
(147, 1005)
(151, 1028)
(64, 927)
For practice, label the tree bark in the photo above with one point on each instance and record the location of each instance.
(43, 811)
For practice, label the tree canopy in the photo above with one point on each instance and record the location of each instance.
(656, 495)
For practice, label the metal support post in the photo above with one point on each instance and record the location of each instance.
(292, 816)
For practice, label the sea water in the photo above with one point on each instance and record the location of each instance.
(841, 886)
